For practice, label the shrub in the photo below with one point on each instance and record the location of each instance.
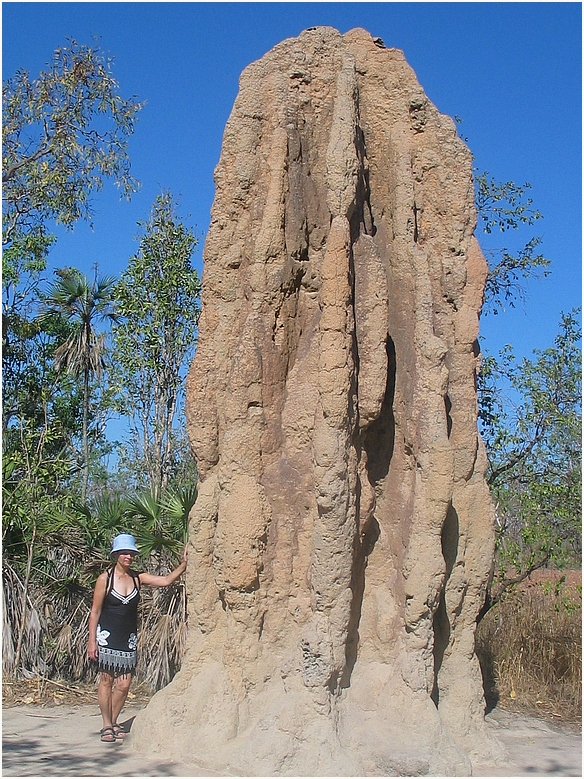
(530, 648)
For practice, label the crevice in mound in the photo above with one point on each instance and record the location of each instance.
(378, 442)
(364, 544)
(448, 407)
(441, 623)
(362, 216)
(416, 227)
(379, 437)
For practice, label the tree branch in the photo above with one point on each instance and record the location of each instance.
(16, 166)
(507, 583)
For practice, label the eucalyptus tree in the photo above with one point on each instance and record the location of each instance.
(154, 339)
(531, 422)
(64, 132)
(530, 410)
(503, 206)
(83, 304)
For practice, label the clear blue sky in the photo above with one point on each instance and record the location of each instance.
(511, 71)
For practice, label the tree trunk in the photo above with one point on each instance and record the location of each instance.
(24, 602)
(85, 436)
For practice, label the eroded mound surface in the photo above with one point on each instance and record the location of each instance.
(343, 533)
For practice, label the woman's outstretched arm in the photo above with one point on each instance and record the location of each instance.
(163, 581)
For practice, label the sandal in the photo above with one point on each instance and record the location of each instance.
(119, 731)
(107, 735)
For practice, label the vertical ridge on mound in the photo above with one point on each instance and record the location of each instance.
(343, 533)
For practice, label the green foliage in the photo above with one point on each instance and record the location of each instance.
(34, 471)
(531, 419)
(99, 521)
(31, 387)
(504, 206)
(82, 304)
(63, 133)
(23, 260)
(160, 522)
(158, 302)
(529, 410)
(40, 422)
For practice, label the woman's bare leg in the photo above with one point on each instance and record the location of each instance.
(104, 697)
(119, 695)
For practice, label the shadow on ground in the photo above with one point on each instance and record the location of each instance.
(64, 741)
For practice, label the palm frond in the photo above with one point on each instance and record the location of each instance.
(146, 508)
(178, 503)
(31, 657)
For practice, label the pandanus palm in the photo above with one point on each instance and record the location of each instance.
(160, 523)
(83, 304)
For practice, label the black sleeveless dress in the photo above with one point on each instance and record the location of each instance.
(117, 632)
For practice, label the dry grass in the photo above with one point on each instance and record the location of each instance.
(530, 648)
(40, 691)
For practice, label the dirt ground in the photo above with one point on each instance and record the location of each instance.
(63, 740)
(534, 747)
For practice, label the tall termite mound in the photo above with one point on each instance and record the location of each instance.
(343, 533)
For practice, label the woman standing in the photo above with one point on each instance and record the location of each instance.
(113, 629)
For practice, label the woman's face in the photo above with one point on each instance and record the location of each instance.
(126, 556)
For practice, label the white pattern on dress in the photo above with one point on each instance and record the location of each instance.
(102, 636)
(124, 598)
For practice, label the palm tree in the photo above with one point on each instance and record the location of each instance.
(82, 304)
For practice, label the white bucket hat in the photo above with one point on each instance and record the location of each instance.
(124, 542)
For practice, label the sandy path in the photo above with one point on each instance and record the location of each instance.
(534, 748)
(64, 741)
